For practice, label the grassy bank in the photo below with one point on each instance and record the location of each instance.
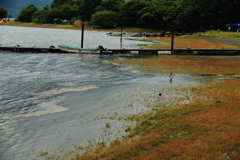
(206, 128)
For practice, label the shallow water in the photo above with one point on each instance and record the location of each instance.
(54, 105)
(53, 102)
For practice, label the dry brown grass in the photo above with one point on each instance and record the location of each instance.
(180, 42)
(207, 128)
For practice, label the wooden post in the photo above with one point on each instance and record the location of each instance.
(82, 35)
(121, 35)
(172, 44)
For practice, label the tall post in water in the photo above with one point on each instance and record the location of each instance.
(121, 37)
(172, 43)
(82, 35)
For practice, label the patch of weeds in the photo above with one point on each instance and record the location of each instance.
(43, 154)
(78, 147)
(91, 141)
(128, 129)
(195, 52)
(145, 123)
(160, 125)
(163, 116)
(108, 125)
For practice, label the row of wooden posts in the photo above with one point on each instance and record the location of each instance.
(172, 41)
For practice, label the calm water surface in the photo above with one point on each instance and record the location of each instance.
(41, 37)
(54, 105)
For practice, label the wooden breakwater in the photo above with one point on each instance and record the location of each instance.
(187, 51)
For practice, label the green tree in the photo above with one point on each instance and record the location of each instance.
(57, 3)
(151, 15)
(105, 19)
(41, 16)
(110, 5)
(74, 10)
(47, 15)
(27, 13)
(231, 11)
(129, 11)
(55, 13)
(3, 12)
(199, 15)
(169, 10)
(87, 8)
(188, 15)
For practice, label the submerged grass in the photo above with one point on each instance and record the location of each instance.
(208, 127)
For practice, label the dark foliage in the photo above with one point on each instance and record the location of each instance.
(185, 15)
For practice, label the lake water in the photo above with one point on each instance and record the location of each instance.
(41, 37)
(53, 106)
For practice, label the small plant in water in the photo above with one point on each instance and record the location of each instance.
(43, 154)
(108, 125)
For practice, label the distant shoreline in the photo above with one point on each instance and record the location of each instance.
(71, 27)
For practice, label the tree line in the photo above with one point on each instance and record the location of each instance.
(185, 15)
(3, 12)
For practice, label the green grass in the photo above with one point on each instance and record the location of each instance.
(65, 25)
(21, 23)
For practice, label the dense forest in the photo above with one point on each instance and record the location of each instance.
(183, 14)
